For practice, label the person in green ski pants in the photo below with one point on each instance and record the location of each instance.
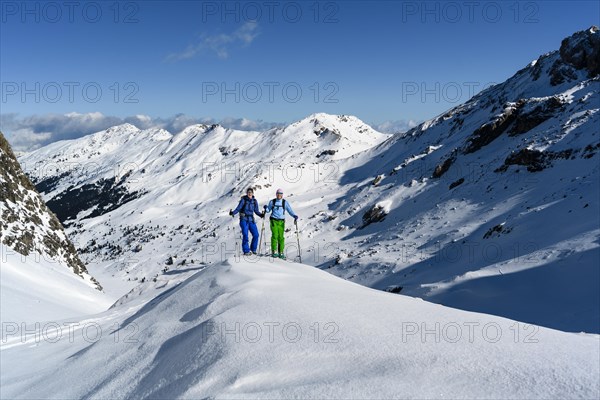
(277, 207)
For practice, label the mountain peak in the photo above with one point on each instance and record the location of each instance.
(347, 126)
(582, 50)
(197, 129)
(342, 135)
(122, 128)
(325, 119)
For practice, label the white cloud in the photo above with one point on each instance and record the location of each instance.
(219, 44)
(31, 132)
(396, 126)
(26, 139)
(28, 133)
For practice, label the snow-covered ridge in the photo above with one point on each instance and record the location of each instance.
(275, 329)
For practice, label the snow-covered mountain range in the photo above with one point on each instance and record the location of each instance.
(491, 206)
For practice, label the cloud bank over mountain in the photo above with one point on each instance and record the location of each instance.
(28, 133)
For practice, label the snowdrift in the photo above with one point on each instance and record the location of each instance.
(261, 328)
(37, 289)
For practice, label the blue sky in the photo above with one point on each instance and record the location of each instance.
(379, 60)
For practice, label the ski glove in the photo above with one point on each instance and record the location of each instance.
(231, 212)
(295, 218)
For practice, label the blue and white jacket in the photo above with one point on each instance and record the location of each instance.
(278, 208)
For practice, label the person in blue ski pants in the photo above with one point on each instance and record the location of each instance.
(247, 207)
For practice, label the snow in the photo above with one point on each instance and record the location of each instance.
(260, 328)
(37, 289)
(514, 251)
(431, 235)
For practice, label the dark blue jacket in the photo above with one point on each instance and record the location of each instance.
(247, 207)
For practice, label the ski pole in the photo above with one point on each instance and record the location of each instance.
(298, 238)
(262, 232)
(264, 237)
(236, 238)
(266, 248)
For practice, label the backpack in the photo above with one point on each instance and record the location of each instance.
(254, 201)
(282, 204)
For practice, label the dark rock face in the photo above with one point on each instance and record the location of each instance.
(518, 118)
(579, 52)
(326, 153)
(496, 231)
(591, 150)
(560, 72)
(456, 183)
(526, 120)
(323, 131)
(225, 151)
(26, 224)
(374, 214)
(534, 160)
(582, 51)
(536, 70)
(394, 289)
(377, 180)
(442, 168)
(489, 132)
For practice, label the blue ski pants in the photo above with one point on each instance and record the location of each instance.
(249, 225)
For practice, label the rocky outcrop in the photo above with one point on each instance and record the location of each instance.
(582, 51)
(489, 132)
(375, 214)
(517, 118)
(27, 225)
(443, 167)
(534, 160)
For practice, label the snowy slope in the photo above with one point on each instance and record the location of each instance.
(275, 329)
(37, 289)
(495, 203)
(27, 226)
(490, 207)
(41, 275)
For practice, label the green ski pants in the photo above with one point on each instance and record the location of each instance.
(277, 240)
